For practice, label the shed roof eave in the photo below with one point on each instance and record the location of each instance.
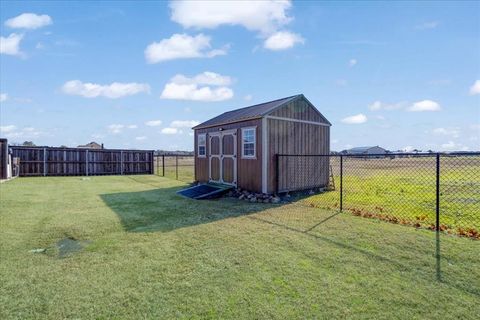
(225, 123)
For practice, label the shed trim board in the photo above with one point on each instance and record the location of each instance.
(264, 154)
(297, 120)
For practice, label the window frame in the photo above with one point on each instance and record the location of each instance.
(254, 156)
(204, 135)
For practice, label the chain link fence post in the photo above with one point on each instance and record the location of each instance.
(341, 183)
(163, 165)
(277, 173)
(437, 200)
(176, 167)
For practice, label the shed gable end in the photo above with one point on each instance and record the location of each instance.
(299, 109)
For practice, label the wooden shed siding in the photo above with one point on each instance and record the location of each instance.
(296, 138)
(249, 171)
(299, 109)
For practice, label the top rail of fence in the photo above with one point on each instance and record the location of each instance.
(76, 149)
(384, 154)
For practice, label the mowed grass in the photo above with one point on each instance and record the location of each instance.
(154, 254)
(406, 188)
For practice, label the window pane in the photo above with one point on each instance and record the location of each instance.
(201, 150)
(249, 135)
(201, 140)
(249, 149)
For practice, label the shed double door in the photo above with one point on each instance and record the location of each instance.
(223, 157)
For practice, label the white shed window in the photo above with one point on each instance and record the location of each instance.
(202, 145)
(249, 144)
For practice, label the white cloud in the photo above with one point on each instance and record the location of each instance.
(408, 149)
(12, 132)
(282, 40)
(170, 131)
(424, 105)
(153, 123)
(378, 105)
(264, 16)
(427, 25)
(453, 132)
(475, 88)
(141, 138)
(341, 82)
(352, 62)
(98, 136)
(198, 88)
(184, 124)
(452, 146)
(3, 97)
(112, 91)
(11, 44)
(181, 46)
(115, 128)
(7, 129)
(207, 78)
(29, 21)
(356, 119)
(193, 92)
(248, 97)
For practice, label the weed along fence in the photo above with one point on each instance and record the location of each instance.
(436, 191)
(51, 161)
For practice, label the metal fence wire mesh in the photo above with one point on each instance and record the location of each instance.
(179, 167)
(397, 188)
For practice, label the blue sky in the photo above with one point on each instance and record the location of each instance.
(402, 75)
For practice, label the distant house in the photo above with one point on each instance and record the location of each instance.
(365, 150)
(91, 145)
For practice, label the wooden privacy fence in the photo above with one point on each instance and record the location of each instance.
(3, 158)
(50, 161)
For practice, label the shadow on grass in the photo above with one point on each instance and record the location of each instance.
(463, 286)
(164, 210)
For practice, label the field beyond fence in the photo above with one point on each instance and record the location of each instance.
(428, 190)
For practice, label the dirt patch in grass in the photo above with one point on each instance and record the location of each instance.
(69, 246)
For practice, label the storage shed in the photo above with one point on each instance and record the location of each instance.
(239, 147)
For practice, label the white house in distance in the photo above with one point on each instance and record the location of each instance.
(365, 150)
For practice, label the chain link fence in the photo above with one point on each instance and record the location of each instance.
(435, 191)
(179, 167)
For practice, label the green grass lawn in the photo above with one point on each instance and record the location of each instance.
(149, 253)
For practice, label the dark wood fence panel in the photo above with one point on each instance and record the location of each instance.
(3, 158)
(49, 161)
